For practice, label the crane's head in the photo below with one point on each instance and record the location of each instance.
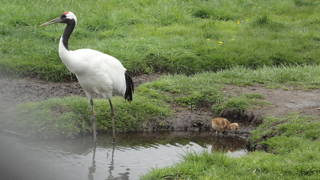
(66, 18)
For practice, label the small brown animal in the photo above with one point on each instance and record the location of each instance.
(234, 126)
(220, 124)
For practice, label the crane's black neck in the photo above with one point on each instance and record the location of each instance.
(67, 32)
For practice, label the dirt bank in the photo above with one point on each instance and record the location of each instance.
(15, 91)
(281, 101)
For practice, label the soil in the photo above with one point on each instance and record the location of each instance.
(15, 91)
(282, 101)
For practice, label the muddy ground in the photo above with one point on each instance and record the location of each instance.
(282, 101)
(15, 91)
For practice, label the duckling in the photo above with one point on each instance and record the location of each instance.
(234, 126)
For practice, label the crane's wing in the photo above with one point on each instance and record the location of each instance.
(106, 71)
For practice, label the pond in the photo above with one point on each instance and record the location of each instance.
(129, 158)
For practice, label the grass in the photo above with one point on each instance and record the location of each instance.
(298, 77)
(242, 103)
(292, 154)
(170, 36)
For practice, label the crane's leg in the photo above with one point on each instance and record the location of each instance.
(93, 119)
(113, 123)
(92, 168)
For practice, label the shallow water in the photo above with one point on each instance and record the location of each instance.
(132, 156)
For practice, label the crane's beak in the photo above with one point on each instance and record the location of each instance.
(53, 21)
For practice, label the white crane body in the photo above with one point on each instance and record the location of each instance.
(97, 73)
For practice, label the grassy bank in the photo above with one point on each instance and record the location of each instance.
(293, 153)
(152, 103)
(171, 36)
(291, 142)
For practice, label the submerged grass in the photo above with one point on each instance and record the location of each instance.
(293, 146)
(171, 36)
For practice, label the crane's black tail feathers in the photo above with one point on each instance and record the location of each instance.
(129, 87)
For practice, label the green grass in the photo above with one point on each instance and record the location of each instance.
(301, 77)
(171, 36)
(293, 153)
(242, 103)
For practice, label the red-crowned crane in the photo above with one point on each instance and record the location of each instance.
(97, 73)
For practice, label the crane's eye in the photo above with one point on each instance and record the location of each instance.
(63, 16)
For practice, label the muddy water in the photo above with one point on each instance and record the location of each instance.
(132, 156)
